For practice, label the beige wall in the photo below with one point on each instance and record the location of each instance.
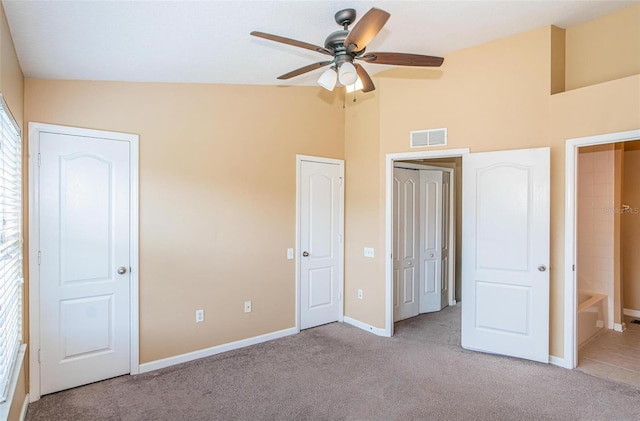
(363, 211)
(491, 97)
(631, 227)
(12, 89)
(217, 196)
(603, 49)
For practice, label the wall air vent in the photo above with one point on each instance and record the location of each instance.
(424, 138)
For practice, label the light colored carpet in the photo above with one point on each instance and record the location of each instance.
(337, 372)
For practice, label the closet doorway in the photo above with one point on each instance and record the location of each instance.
(423, 250)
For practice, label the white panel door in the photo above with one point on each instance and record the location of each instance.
(505, 253)
(445, 240)
(84, 239)
(431, 244)
(406, 232)
(320, 277)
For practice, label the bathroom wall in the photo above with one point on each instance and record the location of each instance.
(595, 262)
(631, 227)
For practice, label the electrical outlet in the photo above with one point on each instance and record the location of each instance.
(199, 316)
(360, 294)
(247, 306)
(289, 254)
(368, 252)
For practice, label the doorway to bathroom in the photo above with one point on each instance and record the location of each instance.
(607, 277)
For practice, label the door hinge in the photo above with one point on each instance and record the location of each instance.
(340, 296)
(39, 355)
(339, 238)
(39, 257)
(39, 159)
(340, 180)
(573, 268)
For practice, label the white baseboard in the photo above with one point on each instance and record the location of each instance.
(25, 406)
(360, 325)
(619, 327)
(195, 355)
(632, 313)
(560, 362)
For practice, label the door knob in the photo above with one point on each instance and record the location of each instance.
(122, 270)
(542, 268)
(305, 254)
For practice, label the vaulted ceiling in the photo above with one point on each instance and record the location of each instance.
(208, 41)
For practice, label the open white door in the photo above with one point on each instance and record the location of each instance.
(505, 253)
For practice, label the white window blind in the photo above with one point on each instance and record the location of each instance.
(10, 246)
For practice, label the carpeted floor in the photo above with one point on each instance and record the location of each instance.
(337, 372)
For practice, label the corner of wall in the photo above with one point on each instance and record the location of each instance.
(362, 209)
(558, 59)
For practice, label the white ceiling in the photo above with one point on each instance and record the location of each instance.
(208, 41)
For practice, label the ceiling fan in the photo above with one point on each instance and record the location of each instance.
(346, 45)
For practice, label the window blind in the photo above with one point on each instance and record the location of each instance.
(10, 246)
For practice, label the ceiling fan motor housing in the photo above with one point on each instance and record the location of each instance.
(345, 17)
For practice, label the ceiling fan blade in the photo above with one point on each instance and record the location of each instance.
(367, 83)
(366, 29)
(293, 42)
(305, 69)
(402, 59)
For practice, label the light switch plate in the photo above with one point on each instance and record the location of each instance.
(199, 316)
(289, 254)
(247, 306)
(368, 252)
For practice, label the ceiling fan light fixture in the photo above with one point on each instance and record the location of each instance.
(328, 79)
(358, 86)
(347, 74)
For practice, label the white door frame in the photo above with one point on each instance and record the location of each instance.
(390, 159)
(452, 220)
(34, 243)
(340, 163)
(570, 284)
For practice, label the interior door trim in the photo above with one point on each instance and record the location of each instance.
(340, 163)
(34, 243)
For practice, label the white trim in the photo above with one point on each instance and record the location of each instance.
(218, 349)
(5, 407)
(25, 407)
(632, 313)
(340, 163)
(619, 327)
(389, 160)
(34, 243)
(570, 285)
(560, 362)
(361, 325)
